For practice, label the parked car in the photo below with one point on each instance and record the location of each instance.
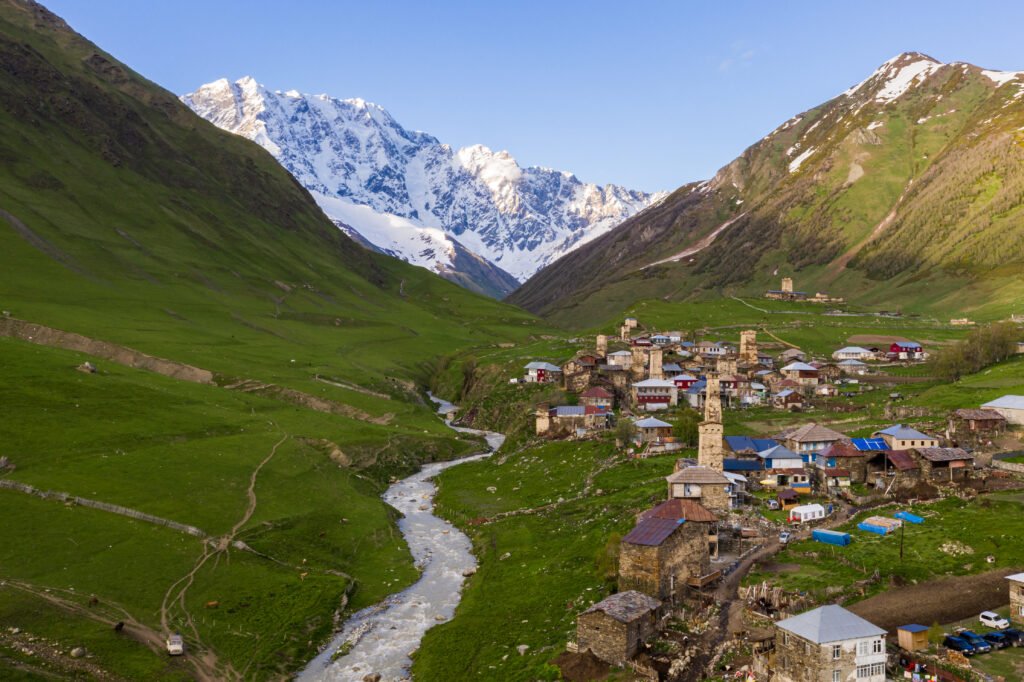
(959, 644)
(997, 639)
(977, 641)
(772, 504)
(1014, 636)
(784, 537)
(993, 620)
(175, 645)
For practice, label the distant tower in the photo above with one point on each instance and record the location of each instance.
(655, 371)
(726, 366)
(639, 364)
(748, 347)
(710, 448)
(787, 285)
(624, 333)
(543, 420)
(602, 345)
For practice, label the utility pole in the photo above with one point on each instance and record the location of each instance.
(903, 527)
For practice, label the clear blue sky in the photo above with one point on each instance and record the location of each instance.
(649, 95)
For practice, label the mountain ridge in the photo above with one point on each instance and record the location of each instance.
(350, 153)
(813, 198)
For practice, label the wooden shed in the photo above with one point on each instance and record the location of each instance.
(912, 637)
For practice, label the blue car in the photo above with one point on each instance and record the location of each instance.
(997, 639)
(976, 640)
(959, 644)
(1014, 636)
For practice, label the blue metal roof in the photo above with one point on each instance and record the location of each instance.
(869, 444)
(741, 465)
(748, 444)
(913, 627)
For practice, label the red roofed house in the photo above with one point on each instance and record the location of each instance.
(597, 397)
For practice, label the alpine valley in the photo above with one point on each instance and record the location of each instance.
(472, 215)
(904, 191)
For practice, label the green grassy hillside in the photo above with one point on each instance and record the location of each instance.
(911, 202)
(127, 219)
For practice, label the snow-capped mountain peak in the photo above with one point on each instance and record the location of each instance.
(351, 154)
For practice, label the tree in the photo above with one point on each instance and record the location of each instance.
(685, 428)
(624, 431)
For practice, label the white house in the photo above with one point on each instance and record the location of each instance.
(853, 353)
(852, 367)
(542, 373)
(829, 644)
(1010, 406)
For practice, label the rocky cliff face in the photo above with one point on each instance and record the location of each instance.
(412, 196)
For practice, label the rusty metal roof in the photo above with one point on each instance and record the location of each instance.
(688, 510)
(980, 415)
(652, 531)
(902, 460)
(943, 454)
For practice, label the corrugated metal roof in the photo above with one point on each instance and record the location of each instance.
(903, 432)
(914, 627)
(1016, 577)
(688, 510)
(778, 452)
(567, 411)
(627, 606)
(699, 474)
(543, 365)
(1013, 402)
(654, 383)
(741, 465)
(852, 363)
(652, 531)
(901, 460)
(853, 349)
(748, 444)
(651, 423)
(799, 366)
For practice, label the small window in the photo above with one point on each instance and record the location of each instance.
(837, 651)
(836, 675)
(785, 638)
(862, 649)
(876, 647)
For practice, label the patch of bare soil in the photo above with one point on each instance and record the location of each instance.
(936, 601)
(48, 336)
(774, 567)
(581, 667)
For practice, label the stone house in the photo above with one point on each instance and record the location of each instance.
(1016, 598)
(670, 544)
(566, 420)
(615, 627)
(827, 644)
(827, 371)
(975, 425)
(621, 358)
(891, 469)
(901, 437)
(856, 367)
(579, 372)
(944, 464)
(792, 355)
(700, 484)
(597, 396)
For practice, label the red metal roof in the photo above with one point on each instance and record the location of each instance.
(652, 532)
(689, 510)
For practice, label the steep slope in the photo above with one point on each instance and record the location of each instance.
(426, 200)
(128, 220)
(903, 190)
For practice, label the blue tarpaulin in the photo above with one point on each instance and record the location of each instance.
(907, 516)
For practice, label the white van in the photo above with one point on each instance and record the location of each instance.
(993, 620)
